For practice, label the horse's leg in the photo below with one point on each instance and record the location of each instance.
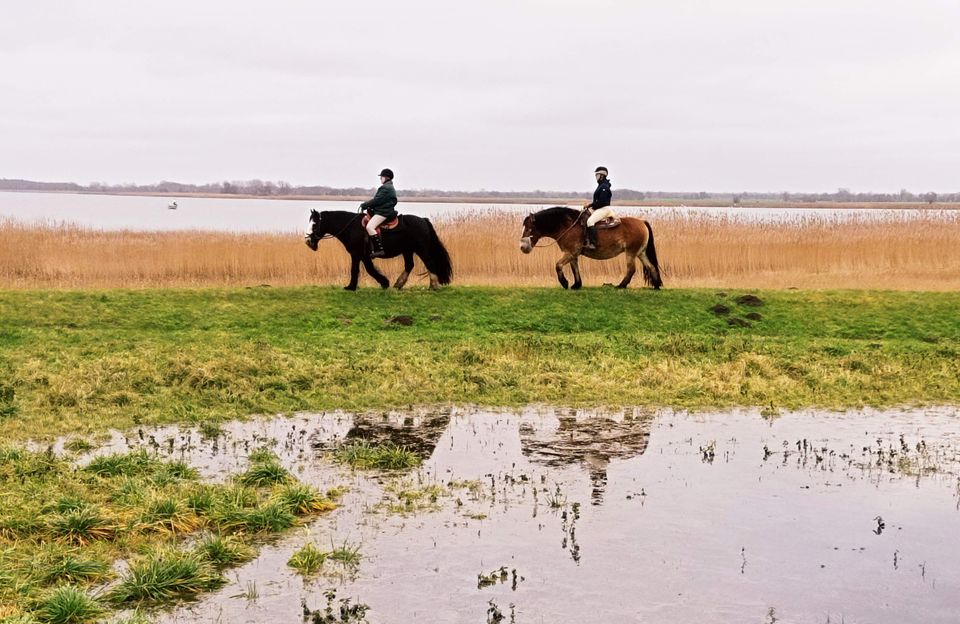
(374, 273)
(564, 260)
(651, 269)
(631, 269)
(407, 267)
(423, 252)
(354, 272)
(575, 266)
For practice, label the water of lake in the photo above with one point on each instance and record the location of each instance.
(556, 515)
(120, 212)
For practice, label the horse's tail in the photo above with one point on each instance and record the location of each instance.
(652, 278)
(439, 258)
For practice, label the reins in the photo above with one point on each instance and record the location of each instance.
(344, 229)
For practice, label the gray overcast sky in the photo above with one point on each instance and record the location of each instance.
(764, 95)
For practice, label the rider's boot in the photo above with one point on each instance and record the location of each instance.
(591, 242)
(376, 245)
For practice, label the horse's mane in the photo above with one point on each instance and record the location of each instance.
(553, 218)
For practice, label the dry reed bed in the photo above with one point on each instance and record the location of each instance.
(695, 249)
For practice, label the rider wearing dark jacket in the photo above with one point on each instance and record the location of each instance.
(380, 209)
(599, 208)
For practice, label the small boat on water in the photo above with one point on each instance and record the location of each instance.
(172, 206)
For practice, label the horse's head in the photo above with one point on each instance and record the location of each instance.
(530, 235)
(315, 231)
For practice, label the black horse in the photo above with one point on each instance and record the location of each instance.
(413, 235)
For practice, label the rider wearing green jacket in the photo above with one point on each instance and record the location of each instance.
(380, 209)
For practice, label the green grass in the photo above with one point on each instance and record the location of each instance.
(302, 499)
(68, 605)
(62, 527)
(264, 473)
(365, 456)
(224, 551)
(207, 355)
(164, 575)
(308, 560)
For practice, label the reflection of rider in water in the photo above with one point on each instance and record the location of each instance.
(597, 469)
(599, 208)
(380, 209)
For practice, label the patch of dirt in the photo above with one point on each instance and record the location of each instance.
(749, 300)
(754, 316)
(406, 321)
(720, 310)
(736, 321)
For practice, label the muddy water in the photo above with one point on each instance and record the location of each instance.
(626, 517)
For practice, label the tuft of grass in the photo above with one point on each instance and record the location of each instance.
(164, 575)
(126, 464)
(268, 518)
(224, 551)
(308, 560)
(68, 605)
(262, 455)
(168, 514)
(302, 499)
(347, 554)
(57, 566)
(265, 473)
(366, 456)
(78, 445)
(82, 526)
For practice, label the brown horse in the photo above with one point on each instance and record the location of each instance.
(632, 237)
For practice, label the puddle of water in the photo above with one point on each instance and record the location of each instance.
(615, 517)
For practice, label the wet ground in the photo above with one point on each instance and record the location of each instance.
(561, 516)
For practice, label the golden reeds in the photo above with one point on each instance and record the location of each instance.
(696, 249)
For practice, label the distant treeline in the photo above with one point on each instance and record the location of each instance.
(280, 189)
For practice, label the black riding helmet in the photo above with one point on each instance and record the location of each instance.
(602, 170)
(386, 173)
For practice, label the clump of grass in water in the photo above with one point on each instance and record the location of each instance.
(224, 551)
(308, 560)
(116, 464)
(302, 499)
(409, 498)
(78, 445)
(265, 472)
(388, 456)
(68, 605)
(347, 554)
(164, 575)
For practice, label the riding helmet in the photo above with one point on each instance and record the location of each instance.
(386, 173)
(602, 170)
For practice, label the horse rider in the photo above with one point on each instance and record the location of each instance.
(380, 209)
(599, 209)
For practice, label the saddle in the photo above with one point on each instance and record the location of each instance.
(386, 226)
(608, 223)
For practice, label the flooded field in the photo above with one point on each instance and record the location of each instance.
(564, 516)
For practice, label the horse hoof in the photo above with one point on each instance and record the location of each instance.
(576, 286)
(351, 288)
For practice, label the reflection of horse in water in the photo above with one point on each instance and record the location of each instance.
(592, 442)
(416, 433)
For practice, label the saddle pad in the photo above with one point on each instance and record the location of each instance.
(609, 222)
(386, 225)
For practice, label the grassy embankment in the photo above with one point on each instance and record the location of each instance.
(79, 362)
